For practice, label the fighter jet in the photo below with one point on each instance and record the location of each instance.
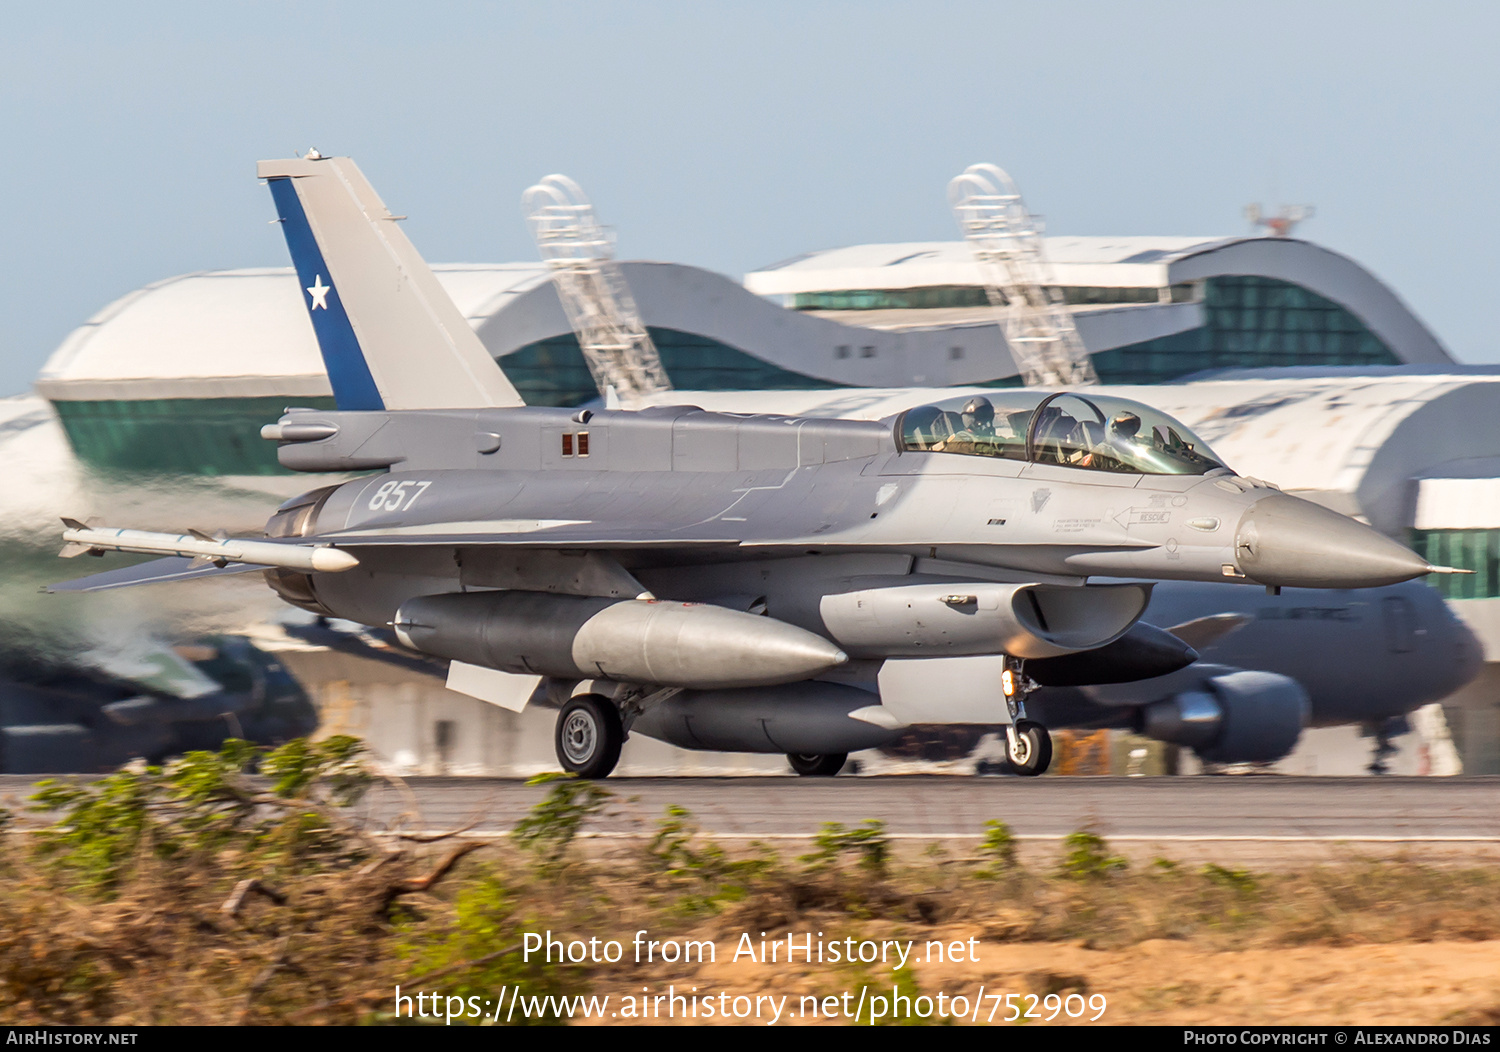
(721, 580)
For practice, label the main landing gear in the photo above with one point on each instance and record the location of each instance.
(1383, 732)
(815, 765)
(1028, 746)
(589, 736)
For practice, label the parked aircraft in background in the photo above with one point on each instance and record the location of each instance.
(726, 581)
(87, 684)
(102, 710)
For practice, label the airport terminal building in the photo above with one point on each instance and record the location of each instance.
(192, 366)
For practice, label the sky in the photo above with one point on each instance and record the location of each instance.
(734, 135)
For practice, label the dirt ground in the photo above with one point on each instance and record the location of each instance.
(1158, 982)
(189, 895)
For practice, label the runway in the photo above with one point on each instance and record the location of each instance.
(1389, 810)
(1260, 820)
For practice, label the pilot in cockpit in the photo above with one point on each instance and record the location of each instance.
(975, 432)
(978, 415)
(1064, 439)
(1096, 432)
(973, 428)
(1110, 447)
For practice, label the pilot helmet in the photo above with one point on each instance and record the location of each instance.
(978, 412)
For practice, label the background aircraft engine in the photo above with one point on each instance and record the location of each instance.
(806, 718)
(950, 620)
(1238, 717)
(667, 644)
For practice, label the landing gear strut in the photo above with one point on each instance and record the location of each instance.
(589, 736)
(1028, 746)
(1383, 732)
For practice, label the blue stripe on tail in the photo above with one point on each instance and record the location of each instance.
(348, 372)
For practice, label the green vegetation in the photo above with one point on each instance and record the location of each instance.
(201, 804)
(242, 886)
(552, 824)
(1241, 881)
(868, 841)
(999, 846)
(1086, 857)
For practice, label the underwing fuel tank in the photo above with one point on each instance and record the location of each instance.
(667, 644)
(952, 620)
(810, 718)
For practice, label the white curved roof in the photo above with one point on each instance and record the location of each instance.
(1121, 262)
(230, 334)
(693, 300)
(245, 333)
(1095, 262)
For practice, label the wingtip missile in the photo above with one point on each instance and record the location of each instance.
(198, 546)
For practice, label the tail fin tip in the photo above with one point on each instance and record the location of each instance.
(390, 336)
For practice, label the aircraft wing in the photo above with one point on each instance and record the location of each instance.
(196, 555)
(530, 533)
(175, 568)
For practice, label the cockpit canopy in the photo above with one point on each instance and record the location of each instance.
(1093, 432)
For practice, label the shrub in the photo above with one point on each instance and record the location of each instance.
(1086, 857)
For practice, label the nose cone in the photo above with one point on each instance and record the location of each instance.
(1283, 540)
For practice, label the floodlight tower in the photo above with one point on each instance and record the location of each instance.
(581, 256)
(1007, 244)
(1282, 223)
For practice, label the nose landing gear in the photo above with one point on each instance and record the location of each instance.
(1028, 746)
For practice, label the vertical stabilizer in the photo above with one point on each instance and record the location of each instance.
(390, 335)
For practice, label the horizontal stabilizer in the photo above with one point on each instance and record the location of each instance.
(176, 568)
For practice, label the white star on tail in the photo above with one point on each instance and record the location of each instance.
(319, 292)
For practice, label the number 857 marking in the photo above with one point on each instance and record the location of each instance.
(397, 496)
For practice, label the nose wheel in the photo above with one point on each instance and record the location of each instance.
(1028, 746)
(589, 736)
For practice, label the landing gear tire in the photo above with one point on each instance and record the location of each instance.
(1029, 748)
(815, 765)
(589, 736)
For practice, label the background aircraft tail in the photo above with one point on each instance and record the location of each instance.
(390, 335)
